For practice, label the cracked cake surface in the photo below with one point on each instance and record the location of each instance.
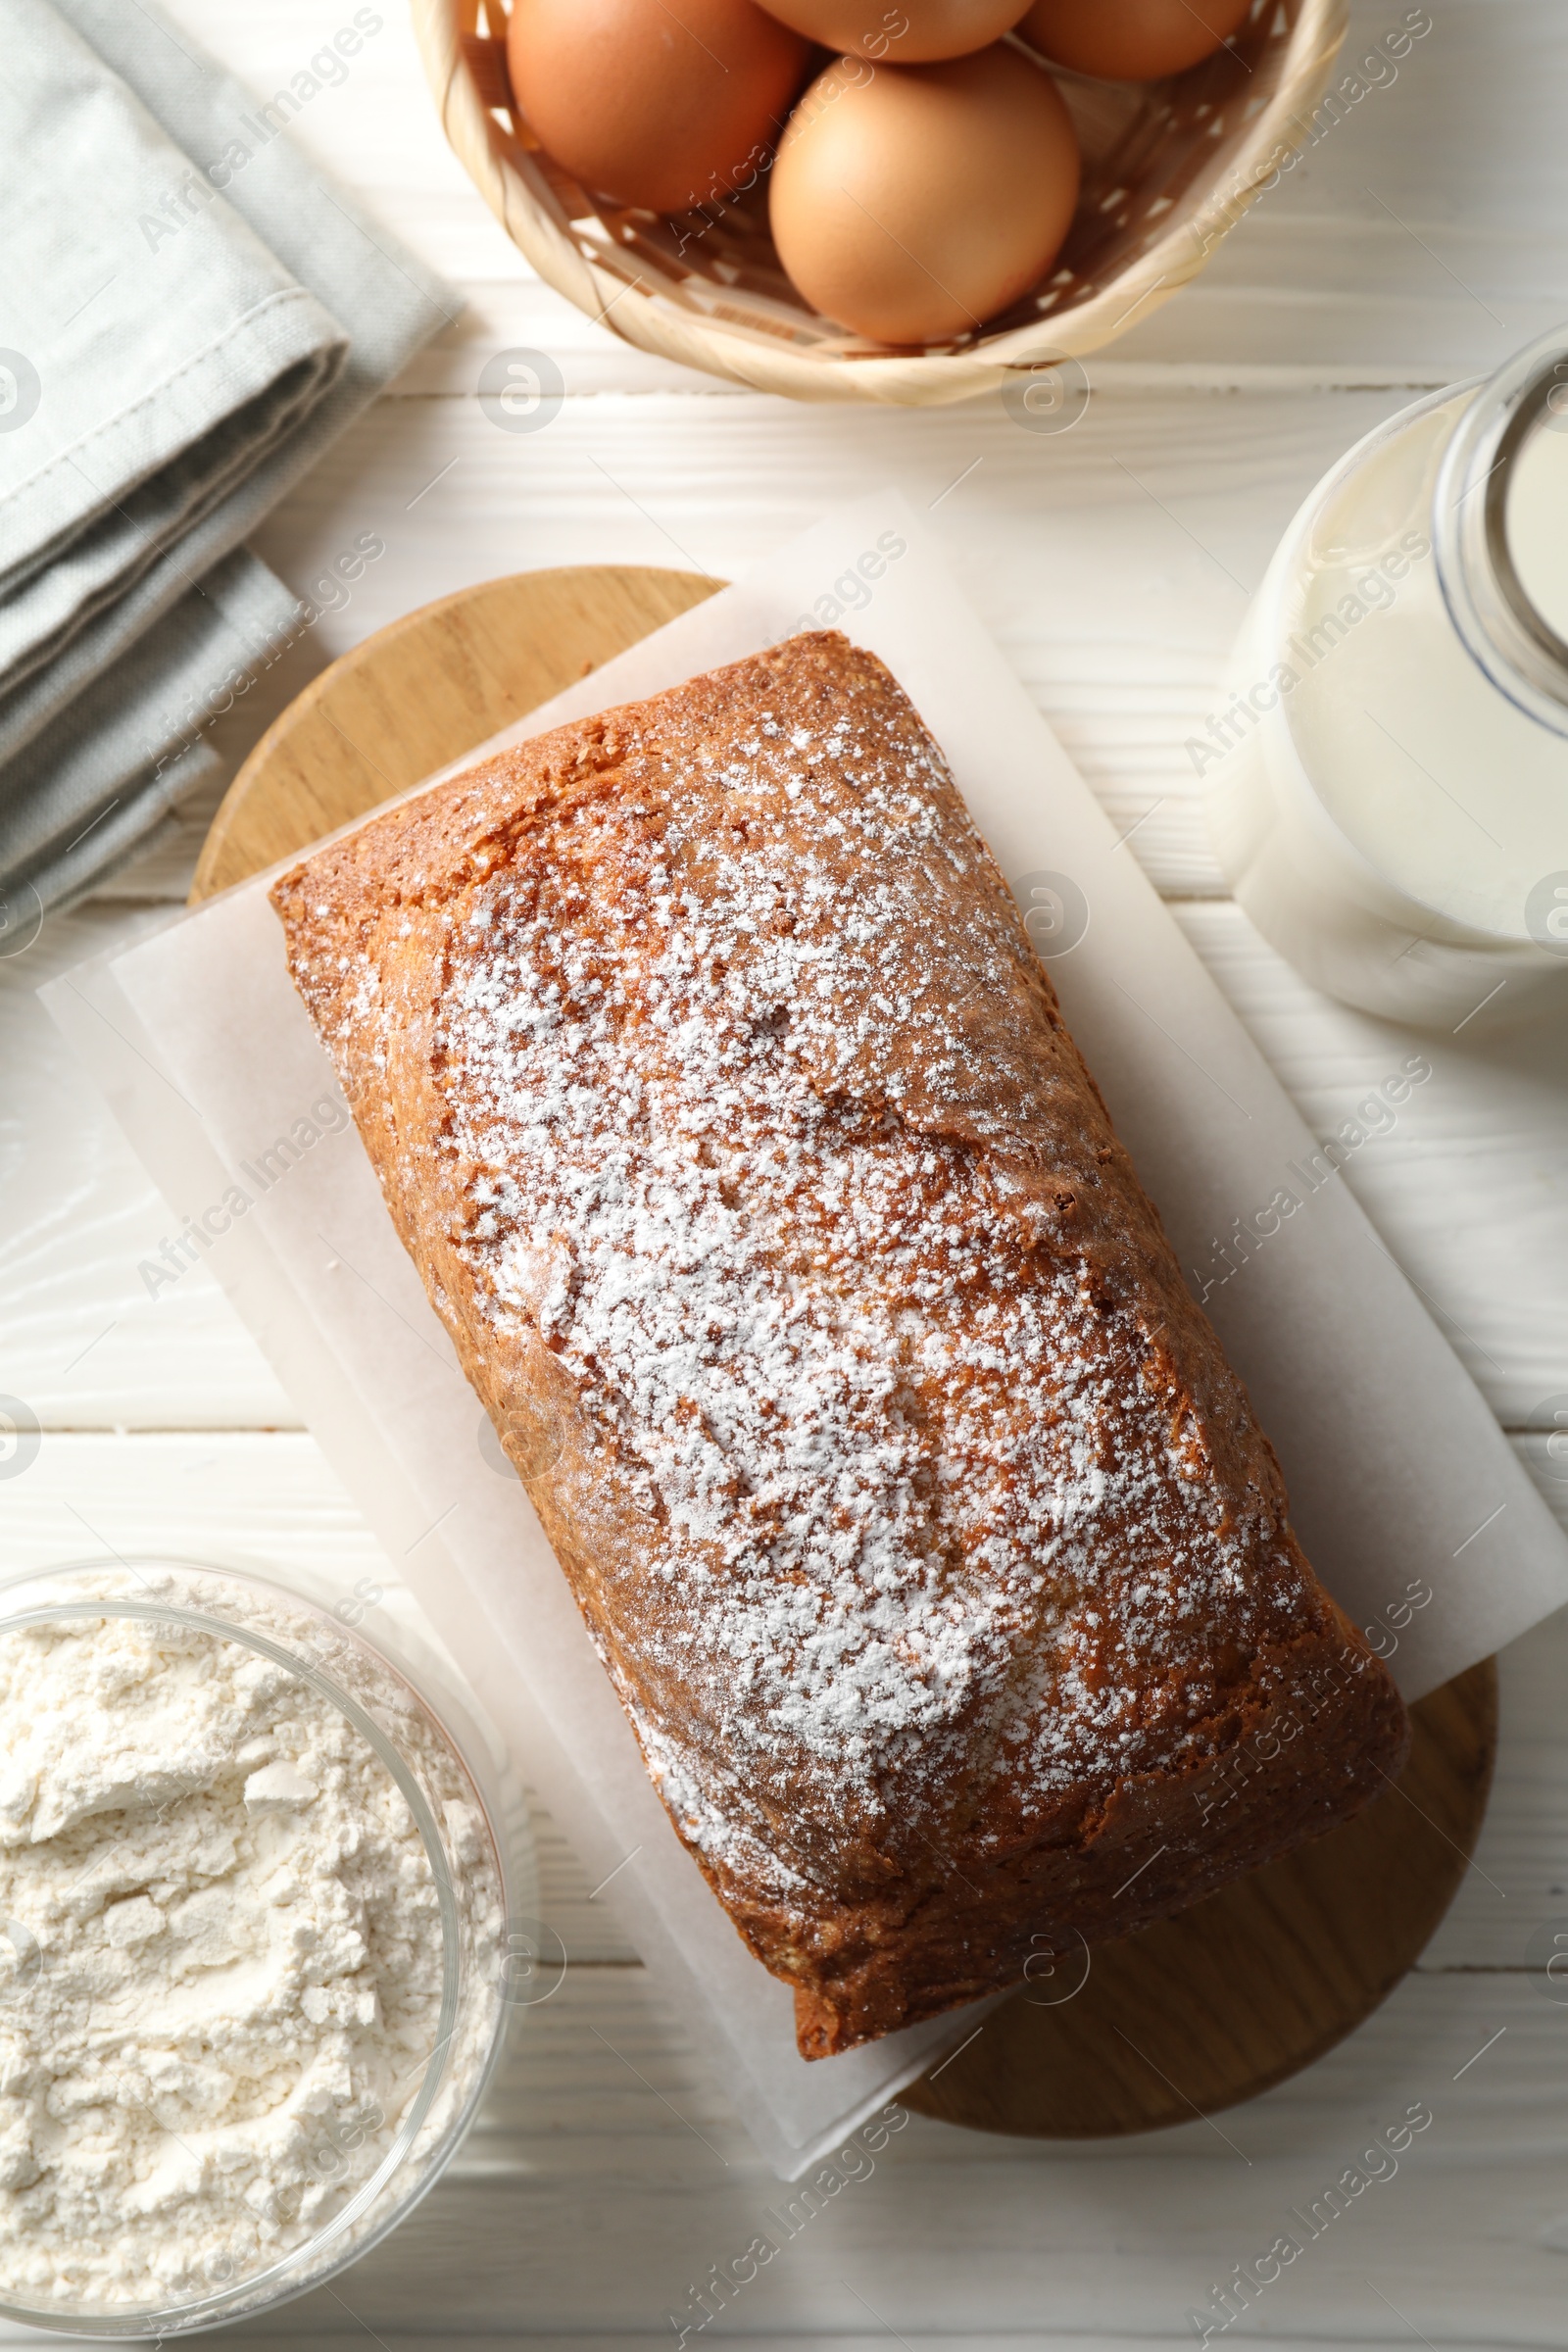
(924, 1531)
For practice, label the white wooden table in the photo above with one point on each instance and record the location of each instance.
(1427, 236)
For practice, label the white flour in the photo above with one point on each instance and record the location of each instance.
(222, 1966)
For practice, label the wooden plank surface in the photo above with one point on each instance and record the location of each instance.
(1112, 563)
(1425, 236)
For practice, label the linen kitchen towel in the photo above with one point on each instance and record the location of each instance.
(190, 317)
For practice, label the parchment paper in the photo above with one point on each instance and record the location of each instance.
(1407, 1497)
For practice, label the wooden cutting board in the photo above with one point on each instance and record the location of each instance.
(1195, 2013)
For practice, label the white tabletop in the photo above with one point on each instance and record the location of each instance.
(1425, 237)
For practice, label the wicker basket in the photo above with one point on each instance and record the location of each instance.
(1170, 168)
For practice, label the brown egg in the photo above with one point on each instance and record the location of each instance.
(1131, 40)
(911, 202)
(653, 105)
(901, 33)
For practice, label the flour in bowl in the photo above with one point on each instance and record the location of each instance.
(222, 1967)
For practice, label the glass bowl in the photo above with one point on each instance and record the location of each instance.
(332, 2171)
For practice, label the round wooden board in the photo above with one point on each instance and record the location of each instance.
(1195, 2013)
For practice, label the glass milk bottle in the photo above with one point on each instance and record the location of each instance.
(1387, 782)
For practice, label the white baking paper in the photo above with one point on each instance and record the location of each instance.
(1406, 1495)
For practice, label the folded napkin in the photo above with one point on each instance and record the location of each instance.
(191, 316)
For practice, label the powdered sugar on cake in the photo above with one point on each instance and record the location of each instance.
(924, 1513)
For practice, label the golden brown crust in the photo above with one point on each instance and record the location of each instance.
(926, 1534)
